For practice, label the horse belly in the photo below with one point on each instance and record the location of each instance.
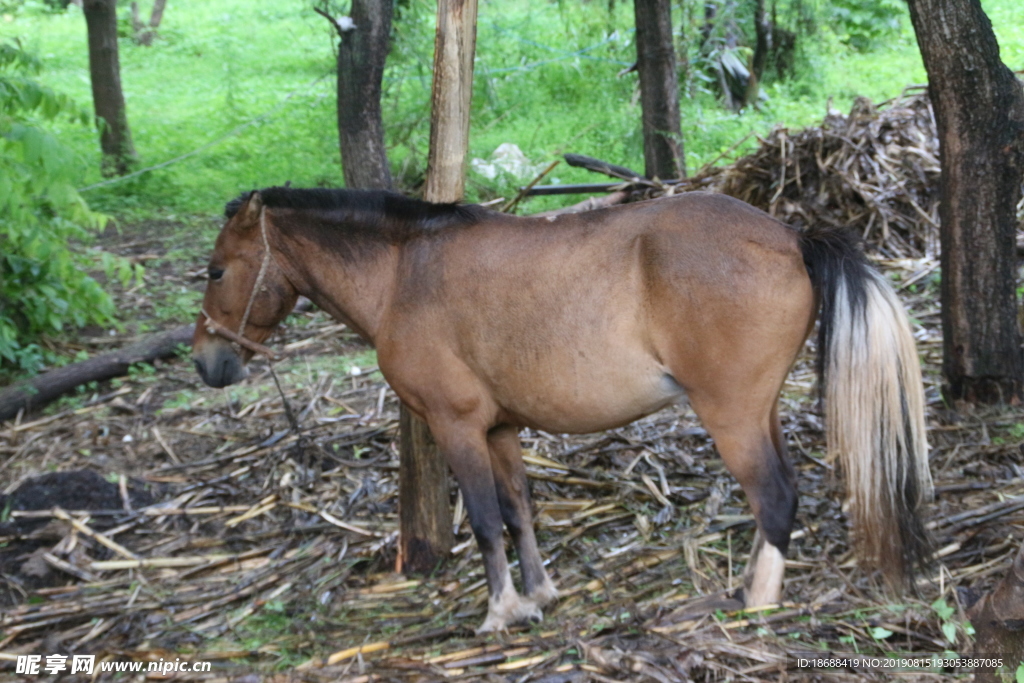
(595, 400)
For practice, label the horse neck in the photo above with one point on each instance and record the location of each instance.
(354, 291)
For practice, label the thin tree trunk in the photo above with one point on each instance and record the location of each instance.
(361, 58)
(763, 30)
(425, 516)
(979, 111)
(145, 33)
(107, 97)
(659, 90)
(157, 15)
(137, 24)
(710, 12)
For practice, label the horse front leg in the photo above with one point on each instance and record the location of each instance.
(467, 454)
(514, 499)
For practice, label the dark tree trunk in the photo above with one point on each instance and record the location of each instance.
(710, 11)
(659, 90)
(107, 98)
(979, 111)
(762, 47)
(361, 58)
(998, 620)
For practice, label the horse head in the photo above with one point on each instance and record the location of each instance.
(247, 295)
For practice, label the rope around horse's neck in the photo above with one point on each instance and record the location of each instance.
(258, 286)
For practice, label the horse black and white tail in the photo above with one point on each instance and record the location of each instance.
(874, 403)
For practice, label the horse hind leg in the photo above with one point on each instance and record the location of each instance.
(754, 452)
(514, 500)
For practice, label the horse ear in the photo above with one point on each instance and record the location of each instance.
(252, 210)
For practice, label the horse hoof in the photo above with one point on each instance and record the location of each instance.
(527, 612)
(512, 610)
(491, 625)
(545, 594)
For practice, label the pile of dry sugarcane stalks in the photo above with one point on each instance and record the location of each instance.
(874, 171)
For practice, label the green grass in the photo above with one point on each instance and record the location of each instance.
(251, 85)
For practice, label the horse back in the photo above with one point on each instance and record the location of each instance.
(592, 320)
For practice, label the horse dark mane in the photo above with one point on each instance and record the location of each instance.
(373, 215)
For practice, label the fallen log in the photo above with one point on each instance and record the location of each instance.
(40, 390)
(35, 393)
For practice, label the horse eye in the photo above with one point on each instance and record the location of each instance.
(216, 273)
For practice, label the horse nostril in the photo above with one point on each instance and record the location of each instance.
(224, 367)
(200, 367)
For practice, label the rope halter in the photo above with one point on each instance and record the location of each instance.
(237, 338)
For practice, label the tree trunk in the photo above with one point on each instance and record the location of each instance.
(157, 15)
(710, 12)
(998, 620)
(659, 90)
(145, 33)
(361, 57)
(137, 24)
(979, 111)
(425, 517)
(107, 98)
(762, 47)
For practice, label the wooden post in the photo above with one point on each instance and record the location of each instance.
(424, 511)
(454, 46)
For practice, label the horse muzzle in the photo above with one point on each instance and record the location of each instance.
(219, 365)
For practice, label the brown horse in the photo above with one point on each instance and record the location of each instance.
(485, 323)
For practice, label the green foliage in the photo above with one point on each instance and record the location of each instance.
(879, 632)
(950, 626)
(547, 79)
(12, 7)
(43, 281)
(865, 24)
